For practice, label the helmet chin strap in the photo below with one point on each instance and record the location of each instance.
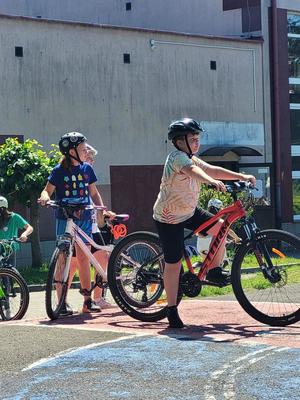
(190, 153)
(77, 158)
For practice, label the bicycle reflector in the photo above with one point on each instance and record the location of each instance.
(278, 252)
(119, 231)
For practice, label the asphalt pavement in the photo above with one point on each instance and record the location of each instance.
(221, 354)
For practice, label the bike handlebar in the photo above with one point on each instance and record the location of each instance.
(58, 204)
(237, 186)
(10, 241)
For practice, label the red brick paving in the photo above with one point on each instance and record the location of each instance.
(218, 321)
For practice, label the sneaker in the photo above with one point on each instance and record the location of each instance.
(219, 276)
(66, 310)
(103, 304)
(173, 318)
(90, 307)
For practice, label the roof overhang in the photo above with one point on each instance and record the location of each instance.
(239, 150)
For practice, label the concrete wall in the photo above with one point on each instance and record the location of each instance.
(72, 77)
(193, 16)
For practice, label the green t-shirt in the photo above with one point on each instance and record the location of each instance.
(15, 223)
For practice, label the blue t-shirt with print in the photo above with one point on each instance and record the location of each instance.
(73, 184)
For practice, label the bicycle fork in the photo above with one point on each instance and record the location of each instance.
(261, 251)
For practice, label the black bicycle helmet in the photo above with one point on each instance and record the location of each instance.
(182, 127)
(70, 141)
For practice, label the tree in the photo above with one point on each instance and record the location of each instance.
(24, 168)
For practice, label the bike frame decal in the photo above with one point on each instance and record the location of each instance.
(231, 214)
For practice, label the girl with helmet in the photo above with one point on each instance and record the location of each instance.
(102, 235)
(176, 206)
(74, 178)
(11, 223)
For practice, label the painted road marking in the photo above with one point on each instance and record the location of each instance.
(166, 368)
(72, 350)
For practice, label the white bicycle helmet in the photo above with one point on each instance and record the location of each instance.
(214, 205)
(3, 202)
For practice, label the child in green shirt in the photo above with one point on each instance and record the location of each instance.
(11, 223)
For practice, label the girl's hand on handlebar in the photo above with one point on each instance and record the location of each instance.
(109, 215)
(43, 200)
(219, 185)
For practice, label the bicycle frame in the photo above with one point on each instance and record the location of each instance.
(231, 214)
(75, 232)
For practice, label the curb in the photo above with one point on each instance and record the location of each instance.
(42, 287)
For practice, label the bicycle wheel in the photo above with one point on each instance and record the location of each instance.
(270, 297)
(57, 284)
(14, 294)
(135, 277)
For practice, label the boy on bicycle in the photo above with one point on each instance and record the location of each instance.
(176, 206)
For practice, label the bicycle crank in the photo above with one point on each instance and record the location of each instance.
(190, 284)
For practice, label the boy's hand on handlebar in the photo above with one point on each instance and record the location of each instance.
(219, 185)
(250, 178)
(23, 238)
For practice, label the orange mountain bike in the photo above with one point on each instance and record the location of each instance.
(265, 270)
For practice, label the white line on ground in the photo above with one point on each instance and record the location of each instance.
(231, 372)
(73, 350)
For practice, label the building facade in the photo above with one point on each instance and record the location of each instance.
(123, 86)
(120, 71)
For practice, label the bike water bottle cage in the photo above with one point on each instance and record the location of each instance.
(70, 141)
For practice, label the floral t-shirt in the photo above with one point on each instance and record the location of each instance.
(179, 193)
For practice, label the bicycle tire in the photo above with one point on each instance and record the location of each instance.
(127, 280)
(15, 302)
(56, 284)
(267, 302)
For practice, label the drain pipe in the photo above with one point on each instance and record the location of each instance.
(276, 110)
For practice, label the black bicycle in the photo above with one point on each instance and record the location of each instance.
(265, 270)
(14, 293)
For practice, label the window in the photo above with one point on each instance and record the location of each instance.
(296, 195)
(263, 177)
(295, 125)
(294, 57)
(18, 51)
(294, 93)
(128, 6)
(126, 58)
(294, 24)
(213, 65)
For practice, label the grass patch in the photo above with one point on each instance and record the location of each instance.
(35, 276)
(38, 276)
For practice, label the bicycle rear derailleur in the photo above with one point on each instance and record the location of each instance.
(190, 284)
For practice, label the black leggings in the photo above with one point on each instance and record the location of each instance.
(172, 235)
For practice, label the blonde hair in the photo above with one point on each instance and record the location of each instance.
(91, 151)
